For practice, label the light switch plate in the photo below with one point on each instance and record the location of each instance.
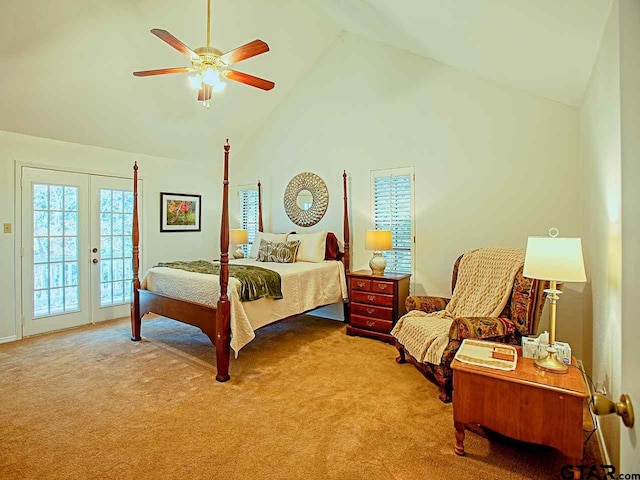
(7, 228)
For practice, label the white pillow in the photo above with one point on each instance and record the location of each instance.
(269, 237)
(312, 246)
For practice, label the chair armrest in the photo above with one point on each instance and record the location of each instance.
(481, 327)
(426, 304)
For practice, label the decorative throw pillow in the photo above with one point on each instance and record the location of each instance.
(281, 252)
(271, 237)
(332, 250)
(312, 246)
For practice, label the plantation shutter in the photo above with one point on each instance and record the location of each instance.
(249, 215)
(392, 206)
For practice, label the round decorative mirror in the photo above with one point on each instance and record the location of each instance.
(306, 199)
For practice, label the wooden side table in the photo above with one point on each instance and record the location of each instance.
(376, 302)
(526, 404)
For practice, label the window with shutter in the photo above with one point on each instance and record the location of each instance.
(248, 214)
(392, 209)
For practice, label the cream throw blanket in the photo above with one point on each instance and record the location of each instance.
(485, 281)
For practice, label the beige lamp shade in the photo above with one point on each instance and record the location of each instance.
(238, 236)
(554, 258)
(378, 240)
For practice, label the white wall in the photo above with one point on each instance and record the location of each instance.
(493, 164)
(158, 174)
(601, 156)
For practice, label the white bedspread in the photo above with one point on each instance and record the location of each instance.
(305, 286)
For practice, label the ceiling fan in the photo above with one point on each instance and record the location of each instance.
(210, 65)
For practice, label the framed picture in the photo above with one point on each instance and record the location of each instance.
(180, 212)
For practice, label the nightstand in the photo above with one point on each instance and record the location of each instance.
(539, 407)
(376, 302)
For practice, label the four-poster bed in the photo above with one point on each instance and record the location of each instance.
(215, 319)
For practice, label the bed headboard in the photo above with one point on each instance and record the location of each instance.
(343, 256)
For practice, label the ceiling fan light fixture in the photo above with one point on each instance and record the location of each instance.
(219, 87)
(210, 66)
(195, 81)
(210, 77)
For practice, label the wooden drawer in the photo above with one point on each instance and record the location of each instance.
(372, 298)
(360, 284)
(379, 286)
(371, 323)
(382, 313)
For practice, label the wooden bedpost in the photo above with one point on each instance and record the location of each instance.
(223, 324)
(260, 228)
(347, 257)
(135, 303)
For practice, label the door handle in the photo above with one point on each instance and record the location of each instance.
(603, 406)
(94, 250)
(95, 260)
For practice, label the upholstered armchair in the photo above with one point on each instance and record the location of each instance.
(520, 317)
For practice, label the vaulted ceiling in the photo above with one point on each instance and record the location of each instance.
(66, 70)
(547, 47)
(66, 66)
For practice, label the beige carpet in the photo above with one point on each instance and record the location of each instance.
(304, 402)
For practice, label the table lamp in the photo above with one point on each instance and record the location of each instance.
(238, 237)
(377, 240)
(555, 259)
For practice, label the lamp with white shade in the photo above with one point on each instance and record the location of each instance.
(554, 259)
(238, 237)
(377, 240)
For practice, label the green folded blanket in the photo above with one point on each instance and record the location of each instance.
(255, 282)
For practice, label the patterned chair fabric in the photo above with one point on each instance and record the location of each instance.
(520, 317)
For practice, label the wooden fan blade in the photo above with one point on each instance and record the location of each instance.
(175, 43)
(161, 71)
(249, 79)
(204, 93)
(249, 50)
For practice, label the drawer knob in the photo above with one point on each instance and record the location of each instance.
(371, 324)
(361, 284)
(382, 286)
(371, 297)
(370, 311)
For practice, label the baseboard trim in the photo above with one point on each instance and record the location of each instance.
(11, 338)
(604, 452)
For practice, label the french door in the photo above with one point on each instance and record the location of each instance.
(76, 258)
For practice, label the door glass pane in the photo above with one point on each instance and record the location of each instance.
(40, 276)
(55, 243)
(115, 246)
(40, 303)
(55, 224)
(56, 300)
(71, 248)
(56, 251)
(105, 247)
(56, 197)
(55, 276)
(71, 298)
(40, 250)
(71, 199)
